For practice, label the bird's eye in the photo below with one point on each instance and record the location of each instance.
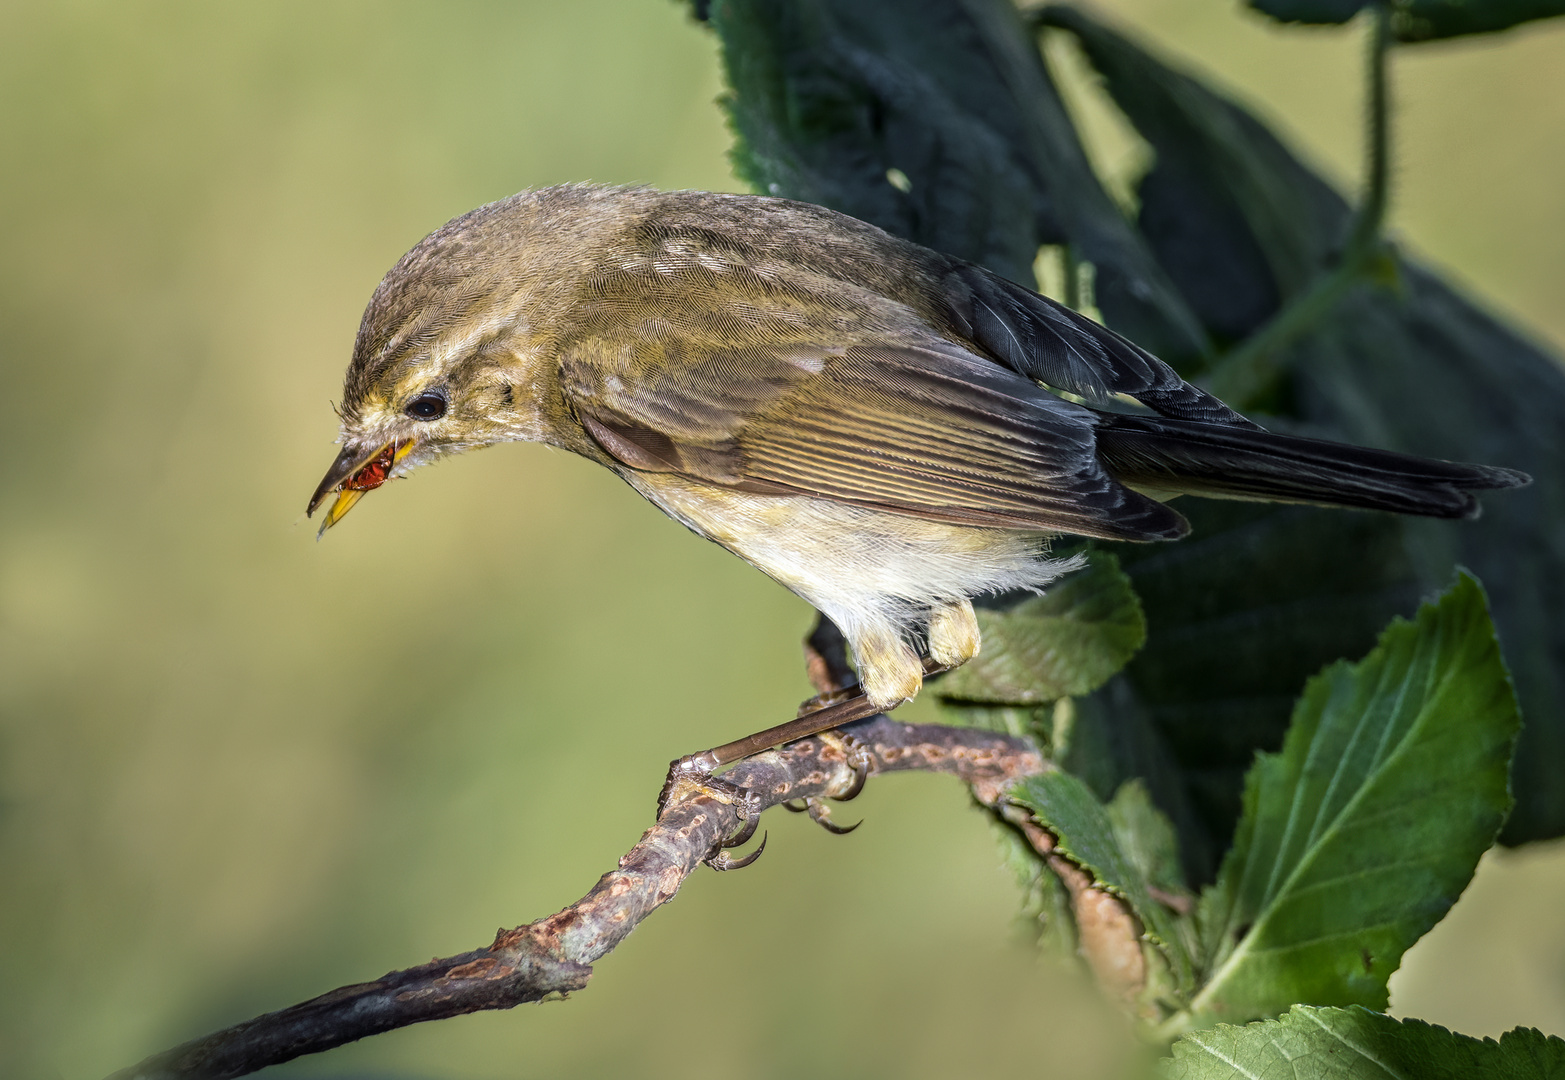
(427, 406)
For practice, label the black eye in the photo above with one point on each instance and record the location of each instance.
(430, 406)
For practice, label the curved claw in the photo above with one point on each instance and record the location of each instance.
(795, 806)
(835, 829)
(723, 861)
(820, 813)
(860, 763)
(746, 830)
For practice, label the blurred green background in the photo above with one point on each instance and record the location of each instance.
(238, 767)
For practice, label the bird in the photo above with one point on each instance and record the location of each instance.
(886, 430)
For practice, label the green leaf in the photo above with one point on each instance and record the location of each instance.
(1310, 11)
(1046, 909)
(1127, 847)
(1066, 642)
(1147, 840)
(937, 121)
(1420, 20)
(1429, 20)
(1363, 831)
(1108, 739)
(1356, 1044)
(1243, 612)
(1243, 225)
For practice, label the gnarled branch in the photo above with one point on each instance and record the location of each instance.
(553, 956)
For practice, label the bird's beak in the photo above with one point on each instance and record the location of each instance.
(355, 471)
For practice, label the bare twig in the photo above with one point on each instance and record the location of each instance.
(553, 956)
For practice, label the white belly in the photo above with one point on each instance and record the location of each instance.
(875, 574)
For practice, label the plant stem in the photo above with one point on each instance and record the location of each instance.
(554, 955)
(1251, 369)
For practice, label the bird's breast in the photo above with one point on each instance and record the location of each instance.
(838, 556)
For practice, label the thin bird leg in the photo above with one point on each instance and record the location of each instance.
(826, 663)
(855, 707)
(697, 769)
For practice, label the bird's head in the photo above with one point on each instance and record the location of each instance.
(445, 397)
(452, 350)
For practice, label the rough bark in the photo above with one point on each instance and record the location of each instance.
(553, 956)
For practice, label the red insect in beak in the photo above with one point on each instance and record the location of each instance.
(352, 474)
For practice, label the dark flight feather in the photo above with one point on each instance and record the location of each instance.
(1048, 342)
(1239, 463)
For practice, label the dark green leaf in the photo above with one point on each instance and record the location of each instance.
(1428, 20)
(1363, 831)
(936, 120)
(1068, 641)
(1107, 739)
(1128, 849)
(1310, 11)
(1420, 20)
(1242, 613)
(1422, 370)
(1356, 1044)
(1147, 839)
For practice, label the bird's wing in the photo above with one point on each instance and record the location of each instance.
(922, 428)
(1043, 340)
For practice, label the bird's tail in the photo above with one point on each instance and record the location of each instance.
(1164, 457)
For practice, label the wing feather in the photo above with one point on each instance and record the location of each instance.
(1043, 340)
(921, 428)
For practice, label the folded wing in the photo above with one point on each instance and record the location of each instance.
(923, 428)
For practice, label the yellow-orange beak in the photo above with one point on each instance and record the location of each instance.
(353, 473)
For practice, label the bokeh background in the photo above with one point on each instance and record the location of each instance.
(238, 767)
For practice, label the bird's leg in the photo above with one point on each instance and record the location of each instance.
(855, 754)
(699, 767)
(953, 633)
(695, 770)
(953, 641)
(826, 664)
(826, 661)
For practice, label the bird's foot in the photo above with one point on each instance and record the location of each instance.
(819, 813)
(856, 754)
(689, 777)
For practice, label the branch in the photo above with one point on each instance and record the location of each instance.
(553, 956)
(1108, 934)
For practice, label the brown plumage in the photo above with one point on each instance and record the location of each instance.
(878, 426)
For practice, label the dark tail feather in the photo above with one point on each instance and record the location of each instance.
(1228, 462)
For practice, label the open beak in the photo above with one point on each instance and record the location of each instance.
(353, 473)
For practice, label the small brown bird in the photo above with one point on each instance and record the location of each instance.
(885, 430)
